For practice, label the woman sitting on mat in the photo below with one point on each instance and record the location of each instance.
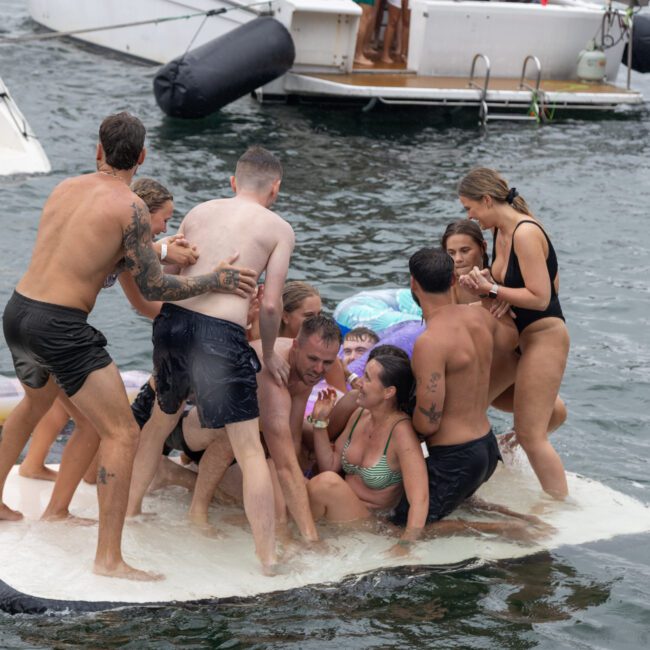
(378, 451)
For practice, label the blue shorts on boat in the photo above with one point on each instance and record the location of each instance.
(209, 358)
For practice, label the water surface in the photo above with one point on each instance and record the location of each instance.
(363, 191)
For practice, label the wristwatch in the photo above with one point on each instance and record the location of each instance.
(492, 293)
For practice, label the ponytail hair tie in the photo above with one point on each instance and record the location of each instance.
(512, 194)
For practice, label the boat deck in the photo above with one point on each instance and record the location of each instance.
(399, 86)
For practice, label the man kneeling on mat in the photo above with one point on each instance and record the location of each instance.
(309, 356)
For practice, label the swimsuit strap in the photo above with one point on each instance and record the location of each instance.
(354, 425)
(390, 435)
(527, 221)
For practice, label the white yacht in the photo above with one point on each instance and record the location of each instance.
(20, 151)
(517, 56)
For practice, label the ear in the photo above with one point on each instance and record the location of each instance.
(415, 285)
(488, 201)
(99, 153)
(142, 156)
(285, 318)
(390, 392)
(233, 184)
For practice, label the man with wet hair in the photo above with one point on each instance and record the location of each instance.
(200, 345)
(90, 224)
(451, 362)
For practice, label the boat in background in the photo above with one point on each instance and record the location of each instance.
(506, 55)
(20, 150)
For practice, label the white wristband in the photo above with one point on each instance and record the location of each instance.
(163, 251)
(352, 377)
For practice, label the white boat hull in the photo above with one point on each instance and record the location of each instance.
(20, 151)
(444, 38)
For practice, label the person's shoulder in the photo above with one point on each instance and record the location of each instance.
(280, 224)
(404, 429)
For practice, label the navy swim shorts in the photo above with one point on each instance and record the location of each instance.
(208, 357)
(46, 339)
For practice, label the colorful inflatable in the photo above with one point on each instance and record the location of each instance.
(377, 310)
(11, 390)
(391, 313)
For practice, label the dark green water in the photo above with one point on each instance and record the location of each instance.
(363, 191)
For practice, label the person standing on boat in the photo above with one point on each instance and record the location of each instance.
(200, 344)
(524, 273)
(89, 224)
(451, 363)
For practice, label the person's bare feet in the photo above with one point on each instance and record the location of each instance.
(201, 523)
(41, 473)
(386, 59)
(126, 572)
(66, 517)
(7, 514)
(362, 60)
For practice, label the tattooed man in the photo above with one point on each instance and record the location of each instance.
(200, 344)
(451, 362)
(89, 225)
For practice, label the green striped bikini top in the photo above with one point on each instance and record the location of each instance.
(380, 475)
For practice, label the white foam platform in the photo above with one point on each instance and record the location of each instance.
(54, 560)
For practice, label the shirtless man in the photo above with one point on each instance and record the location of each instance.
(200, 344)
(89, 224)
(282, 408)
(451, 362)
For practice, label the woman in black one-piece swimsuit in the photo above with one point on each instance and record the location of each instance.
(524, 272)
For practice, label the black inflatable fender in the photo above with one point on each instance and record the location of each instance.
(640, 45)
(210, 76)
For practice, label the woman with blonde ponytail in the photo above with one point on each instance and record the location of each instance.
(524, 273)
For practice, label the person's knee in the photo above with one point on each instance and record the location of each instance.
(531, 444)
(325, 481)
(127, 434)
(249, 450)
(559, 415)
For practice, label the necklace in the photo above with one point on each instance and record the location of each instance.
(101, 171)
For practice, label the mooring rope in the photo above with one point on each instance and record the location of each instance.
(23, 38)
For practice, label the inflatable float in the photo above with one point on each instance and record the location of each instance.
(50, 564)
(391, 313)
(11, 390)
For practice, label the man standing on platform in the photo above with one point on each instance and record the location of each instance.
(89, 225)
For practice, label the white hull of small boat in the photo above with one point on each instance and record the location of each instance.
(49, 565)
(20, 151)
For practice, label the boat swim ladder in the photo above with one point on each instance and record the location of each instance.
(536, 110)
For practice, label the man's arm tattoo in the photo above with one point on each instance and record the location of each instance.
(141, 260)
(433, 382)
(431, 414)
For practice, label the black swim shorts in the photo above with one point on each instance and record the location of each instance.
(206, 356)
(46, 339)
(142, 405)
(455, 473)
(176, 440)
